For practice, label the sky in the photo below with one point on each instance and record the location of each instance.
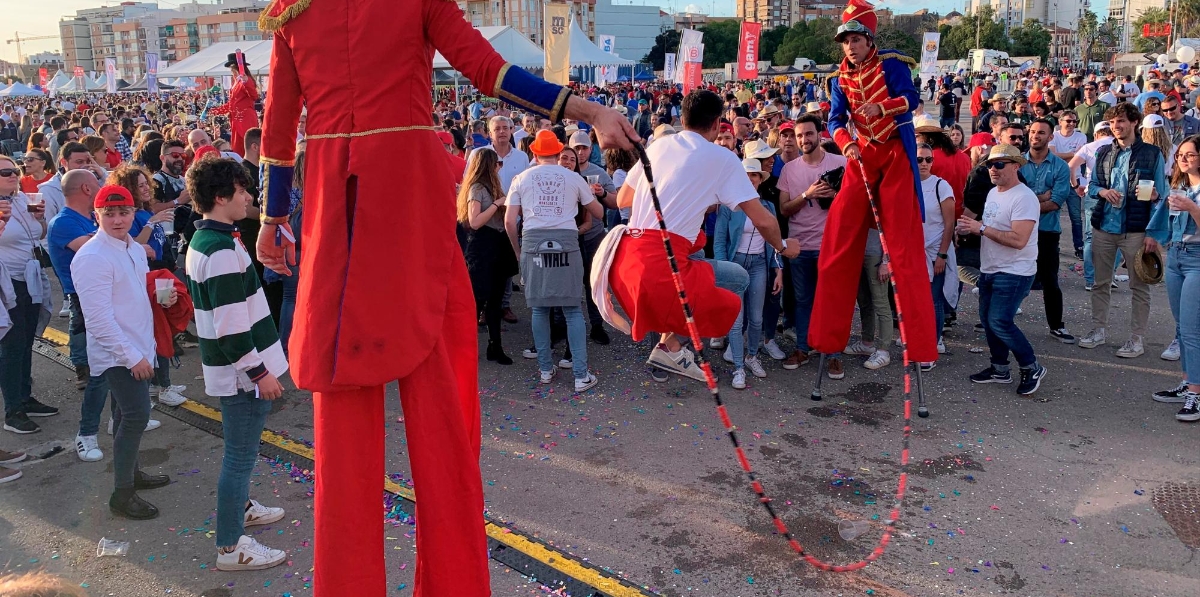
(41, 17)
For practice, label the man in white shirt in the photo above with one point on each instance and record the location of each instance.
(512, 162)
(1106, 94)
(110, 270)
(1067, 140)
(1008, 262)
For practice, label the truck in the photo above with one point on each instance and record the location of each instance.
(989, 61)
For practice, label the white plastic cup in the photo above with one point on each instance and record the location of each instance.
(162, 291)
(1144, 188)
(168, 227)
(1180, 195)
(853, 529)
(593, 179)
(112, 548)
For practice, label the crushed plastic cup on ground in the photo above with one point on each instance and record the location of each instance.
(111, 547)
(852, 529)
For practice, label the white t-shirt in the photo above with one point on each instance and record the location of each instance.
(512, 164)
(750, 242)
(1108, 98)
(1000, 211)
(549, 196)
(1064, 144)
(691, 174)
(1131, 89)
(934, 191)
(1088, 154)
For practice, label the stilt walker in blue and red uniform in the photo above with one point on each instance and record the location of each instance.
(874, 92)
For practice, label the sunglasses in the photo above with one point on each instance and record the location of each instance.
(928, 160)
(1171, 109)
(1070, 122)
(998, 165)
(7, 172)
(1015, 138)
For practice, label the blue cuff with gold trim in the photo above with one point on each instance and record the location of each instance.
(522, 89)
(276, 189)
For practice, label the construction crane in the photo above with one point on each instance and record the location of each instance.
(17, 39)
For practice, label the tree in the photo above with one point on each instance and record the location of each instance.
(1030, 39)
(979, 30)
(1151, 16)
(770, 42)
(1096, 37)
(810, 39)
(665, 43)
(895, 39)
(721, 43)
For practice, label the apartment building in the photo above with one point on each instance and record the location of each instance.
(526, 16)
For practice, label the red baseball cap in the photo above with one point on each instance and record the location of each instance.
(787, 126)
(113, 195)
(981, 140)
(206, 150)
(445, 138)
(726, 127)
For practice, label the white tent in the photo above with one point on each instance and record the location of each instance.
(76, 85)
(586, 53)
(210, 62)
(60, 78)
(17, 89)
(514, 47)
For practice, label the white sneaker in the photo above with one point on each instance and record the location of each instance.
(941, 346)
(716, 343)
(728, 354)
(249, 555)
(1093, 339)
(583, 385)
(682, 362)
(755, 367)
(88, 448)
(170, 397)
(739, 379)
(1120, 278)
(547, 376)
(151, 425)
(878, 360)
(258, 514)
(65, 311)
(1171, 353)
(529, 353)
(566, 364)
(860, 348)
(1132, 348)
(178, 389)
(774, 351)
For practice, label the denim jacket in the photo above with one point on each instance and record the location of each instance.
(729, 232)
(1166, 227)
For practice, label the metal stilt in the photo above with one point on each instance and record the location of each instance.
(816, 393)
(922, 411)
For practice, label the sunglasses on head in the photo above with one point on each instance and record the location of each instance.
(998, 165)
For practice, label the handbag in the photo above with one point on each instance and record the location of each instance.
(833, 178)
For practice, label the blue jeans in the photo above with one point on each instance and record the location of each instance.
(162, 372)
(76, 332)
(16, 351)
(576, 338)
(287, 312)
(1183, 280)
(242, 420)
(1074, 210)
(750, 319)
(94, 397)
(804, 284)
(939, 304)
(999, 297)
(132, 400)
(729, 275)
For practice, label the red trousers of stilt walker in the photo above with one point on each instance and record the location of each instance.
(890, 177)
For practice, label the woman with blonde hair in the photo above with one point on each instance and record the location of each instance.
(1154, 132)
(490, 258)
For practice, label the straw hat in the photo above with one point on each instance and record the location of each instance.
(769, 110)
(663, 130)
(927, 124)
(1148, 266)
(758, 150)
(1005, 151)
(812, 107)
(546, 144)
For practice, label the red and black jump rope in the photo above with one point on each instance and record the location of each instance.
(723, 413)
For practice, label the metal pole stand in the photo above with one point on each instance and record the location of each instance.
(816, 393)
(922, 411)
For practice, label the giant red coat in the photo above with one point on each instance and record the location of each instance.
(240, 110)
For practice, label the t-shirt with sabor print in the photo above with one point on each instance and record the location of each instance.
(549, 197)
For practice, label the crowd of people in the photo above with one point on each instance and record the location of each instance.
(139, 202)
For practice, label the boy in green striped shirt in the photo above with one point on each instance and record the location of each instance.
(239, 350)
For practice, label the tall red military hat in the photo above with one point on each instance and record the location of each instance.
(859, 17)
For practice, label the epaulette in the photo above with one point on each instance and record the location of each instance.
(897, 56)
(280, 12)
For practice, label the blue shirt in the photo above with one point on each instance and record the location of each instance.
(1114, 219)
(157, 237)
(1052, 175)
(1140, 100)
(1166, 227)
(65, 227)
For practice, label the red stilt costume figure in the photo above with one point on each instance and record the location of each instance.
(379, 228)
(873, 90)
(240, 106)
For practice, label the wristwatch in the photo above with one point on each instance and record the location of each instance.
(943, 256)
(982, 227)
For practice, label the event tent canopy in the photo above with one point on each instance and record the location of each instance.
(18, 89)
(586, 53)
(210, 62)
(140, 85)
(509, 43)
(60, 78)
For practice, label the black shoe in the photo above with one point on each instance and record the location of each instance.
(20, 423)
(990, 375)
(979, 327)
(599, 336)
(34, 408)
(1031, 380)
(1063, 336)
(1079, 253)
(129, 505)
(1177, 395)
(496, 353)
(143, 481)
(1191, 409)
(81, 377)
(950, 321)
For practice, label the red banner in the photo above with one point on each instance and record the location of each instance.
(693, 75)
(42, 76)
(748, 51)
(78, 71)
(1156, 30)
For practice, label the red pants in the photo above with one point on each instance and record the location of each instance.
(441, 418)
(889, 172)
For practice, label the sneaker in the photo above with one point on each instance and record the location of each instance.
(1174, 396)
(878, 360)
(1063, 336)
(1191, 408)
(1132, 348)
(860, 348)
(249, 555)
(12, 457)
(585, 384)
(187, 339)
(1031, 380)
(508, 315)
(1114, 284)
(1171, 353)
(1120, 278)
(774, 351)
(755, 367)
(178, 389)
(565, 363)
(739, 379)
(599, 336)
(716, 343)
(834, 369)
(796, 359)
(88, 448)
(1093, 339)
(979, 327)
(941, 347)
(34, 408)
(151, 425)
(66, 310)
(20, 424)
(727, 355)
(529, 353)
(9, 474)
(682, 362)
(990, 375)
(547, 376)
(1079, 253)
(258, 514)
(170, 397)
(1088, 286)
(928, 366)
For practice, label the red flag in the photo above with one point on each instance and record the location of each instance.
(78, 71)
(748, 51)
(693, 75)
(42, 76)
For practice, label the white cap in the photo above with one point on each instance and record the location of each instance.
(752, 166)
(580, 138)
(1153, 121)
